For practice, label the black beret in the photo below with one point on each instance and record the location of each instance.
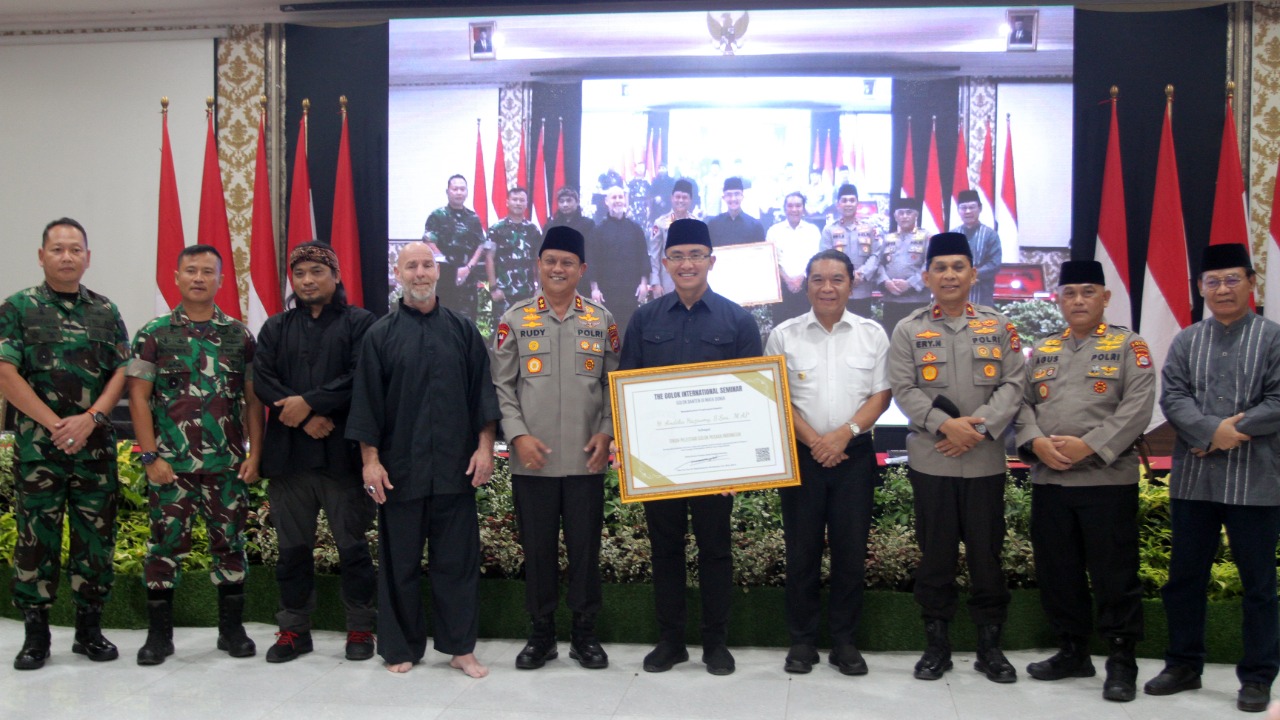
(1227, 255)
(563, 237)
(688, 232)
(682, 185)
(949, 243)
(901, 203)
(968, 196)
(847, 189)
(733, 183)
(1081, 272)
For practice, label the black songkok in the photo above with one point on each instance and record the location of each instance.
(1081, 272)
(948, 243)
(563, 237)
(1222, 257)
(688, 232)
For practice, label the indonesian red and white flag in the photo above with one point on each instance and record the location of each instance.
(264, 274)
(1230, 204)
(499, 194)
(1166, 290)
(908, 168)
(1271, 302)
(931, 218)
(960, 178)
(558, 175)
(302, 214)
(345, 234)
(1112, 249)
(987, 180)
(213, 229)
(479, 193)
(169, 238)
(539, 191)
(1007, 205)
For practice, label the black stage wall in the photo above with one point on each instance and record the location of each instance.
(922, 101)
(1141, 52)
(323, 64)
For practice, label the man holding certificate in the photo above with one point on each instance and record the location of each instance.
(691, 325)
(957, 373)
(551, 364)
(837, 372)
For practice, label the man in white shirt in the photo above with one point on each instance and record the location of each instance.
(837, 369)
(795, 241)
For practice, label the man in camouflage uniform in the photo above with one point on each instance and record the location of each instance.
(191, 398)
(860, 240)
(510, 252)
(455, 235)
(902, 263)
(63, 349)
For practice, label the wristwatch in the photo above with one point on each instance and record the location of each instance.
(147, 458)
(100, 418)
(855, 429)
(982, 428)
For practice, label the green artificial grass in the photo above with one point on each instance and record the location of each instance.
(890, 620)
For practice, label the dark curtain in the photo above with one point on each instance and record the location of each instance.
(323, 64)
(923, 101)
(1141, 52)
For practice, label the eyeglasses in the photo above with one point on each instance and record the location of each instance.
(1213, 283)
(695, 258)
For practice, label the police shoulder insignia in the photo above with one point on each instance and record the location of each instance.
(613, 337)
(542, 304)
(577, 302)
(503, 331)
(1015, 344)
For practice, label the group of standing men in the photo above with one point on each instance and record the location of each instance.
(416, 390)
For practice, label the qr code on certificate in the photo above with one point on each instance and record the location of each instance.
(764, 454)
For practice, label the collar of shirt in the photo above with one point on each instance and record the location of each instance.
(179, 316)
(415, 312)
(847, 319)
(1243, 322)
(51, 295)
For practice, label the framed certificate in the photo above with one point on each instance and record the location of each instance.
(703, 428)
(747, 274)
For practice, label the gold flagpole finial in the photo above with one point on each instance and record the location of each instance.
(306, 106)
(164, 104)
(208, 103)
(1231, 88)
(1168, 93)
(1115, 92)
(262, 101)
(342, 100)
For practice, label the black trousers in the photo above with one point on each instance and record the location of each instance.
(448, 524)
(950, 510)
(831, 504)
(1085, 536)
(296, 501)
(542, 504)
(668, 522)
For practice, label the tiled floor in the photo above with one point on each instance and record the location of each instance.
(200, 682)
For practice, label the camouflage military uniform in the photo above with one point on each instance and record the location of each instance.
(456, 234)
(66, 350)
(199, 371)
(515, 251)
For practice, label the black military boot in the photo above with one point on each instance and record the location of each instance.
(1121, 684)
(541, 646)
(231, 636)
(583, 645)
(89, 640)
(937, 653)
(991, 660)
(159, 644)
(35, 648)
(1071, 660)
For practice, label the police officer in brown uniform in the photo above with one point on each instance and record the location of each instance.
(956, 370)
(1089, 396)
(858, 239)
(902, 263)
(551, 364)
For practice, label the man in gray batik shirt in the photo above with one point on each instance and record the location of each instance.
(1222, 395)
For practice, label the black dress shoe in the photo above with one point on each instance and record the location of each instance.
(933, 664)
(1173, 679)
(587, 651)
(718, 659)
(536, 653)
(1253, 697)
(801, 659)
(848, 660)
(360, 645)
(664, 656)
(89, 640)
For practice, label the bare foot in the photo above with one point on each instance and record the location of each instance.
(469, 665)
(403, 667)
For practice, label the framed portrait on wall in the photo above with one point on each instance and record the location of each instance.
(480, 39)
(1023, 29)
